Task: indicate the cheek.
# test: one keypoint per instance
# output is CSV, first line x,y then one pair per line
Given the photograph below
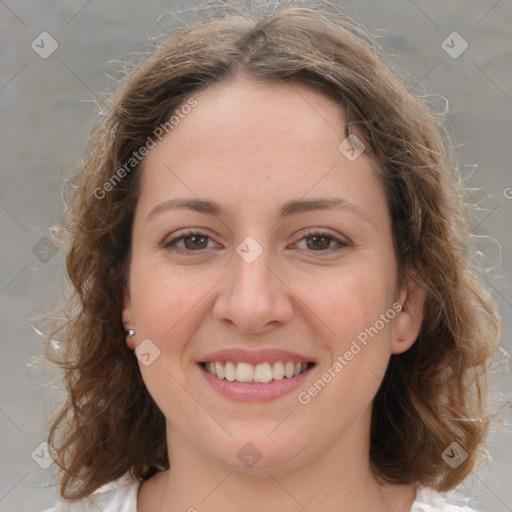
x,y
169,304
350,300
167,299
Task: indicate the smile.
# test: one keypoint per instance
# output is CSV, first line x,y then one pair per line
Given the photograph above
x,y
255,375
261,373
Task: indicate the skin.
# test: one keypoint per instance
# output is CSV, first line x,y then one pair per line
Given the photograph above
x,y
252,147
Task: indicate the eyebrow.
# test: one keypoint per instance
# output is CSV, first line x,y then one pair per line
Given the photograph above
x,y
288,209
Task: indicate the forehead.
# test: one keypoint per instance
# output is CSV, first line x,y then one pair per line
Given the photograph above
x,y
252,112
245,139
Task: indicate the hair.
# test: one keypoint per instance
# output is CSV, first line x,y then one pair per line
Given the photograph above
x,y
432,395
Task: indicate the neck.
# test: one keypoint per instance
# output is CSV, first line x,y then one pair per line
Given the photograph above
x,y
339,480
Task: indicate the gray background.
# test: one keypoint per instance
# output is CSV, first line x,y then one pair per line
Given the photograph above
x,y
47,108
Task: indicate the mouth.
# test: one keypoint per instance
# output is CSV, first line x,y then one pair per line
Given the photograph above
x,y
261,373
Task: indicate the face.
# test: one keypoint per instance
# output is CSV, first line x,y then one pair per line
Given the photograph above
x,y
263,279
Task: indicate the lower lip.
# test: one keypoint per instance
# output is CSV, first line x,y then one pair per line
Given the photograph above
x,y
244,392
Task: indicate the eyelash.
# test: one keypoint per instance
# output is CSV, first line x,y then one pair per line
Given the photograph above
x,y
171,245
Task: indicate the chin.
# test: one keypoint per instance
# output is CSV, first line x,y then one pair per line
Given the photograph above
x,y
257,452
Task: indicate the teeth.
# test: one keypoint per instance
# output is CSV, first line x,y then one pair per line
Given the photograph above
x,y
289,369
219,370
244,372
261,373
230,371
278,370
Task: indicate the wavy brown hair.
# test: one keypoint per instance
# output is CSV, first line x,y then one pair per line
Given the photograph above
x,y
432,395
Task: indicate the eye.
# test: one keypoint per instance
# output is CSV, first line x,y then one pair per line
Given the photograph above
x,y
197,241
321,241
193,241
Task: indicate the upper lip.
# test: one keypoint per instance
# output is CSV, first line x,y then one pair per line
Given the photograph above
x,y
239,355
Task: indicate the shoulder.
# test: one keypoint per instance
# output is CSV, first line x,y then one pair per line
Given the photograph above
x,y
429,500
119,496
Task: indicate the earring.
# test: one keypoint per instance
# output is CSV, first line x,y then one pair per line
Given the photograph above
x,y
130,333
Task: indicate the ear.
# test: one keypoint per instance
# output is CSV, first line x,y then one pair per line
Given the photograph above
x,y
407,323
127,317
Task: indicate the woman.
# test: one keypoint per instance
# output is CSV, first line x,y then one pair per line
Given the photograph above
x,y
273,308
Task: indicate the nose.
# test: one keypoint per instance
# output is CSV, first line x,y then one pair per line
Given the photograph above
x,y
254,298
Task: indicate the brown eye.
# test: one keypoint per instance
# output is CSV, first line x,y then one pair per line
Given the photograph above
x,y
322,242
195,242
188,242
318,242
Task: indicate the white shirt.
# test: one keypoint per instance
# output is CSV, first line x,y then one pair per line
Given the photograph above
x,y
123,498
